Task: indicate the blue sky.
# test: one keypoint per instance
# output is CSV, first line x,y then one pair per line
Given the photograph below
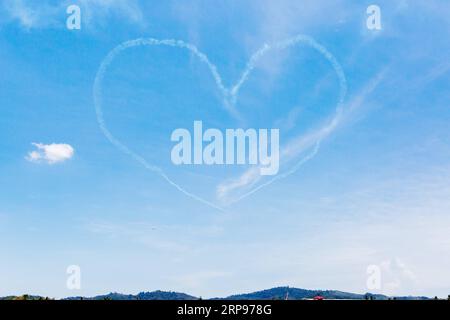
x,y
376,192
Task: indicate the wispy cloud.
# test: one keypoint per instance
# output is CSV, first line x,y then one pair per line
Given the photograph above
x,y
289,122
306,145
43,14
377,225
29,14
280,18
396,275
18,11
97,10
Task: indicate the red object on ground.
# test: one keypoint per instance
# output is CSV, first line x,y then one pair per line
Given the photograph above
x,y
318,298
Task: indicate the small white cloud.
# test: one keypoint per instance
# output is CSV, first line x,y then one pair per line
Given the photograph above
x,y
50,153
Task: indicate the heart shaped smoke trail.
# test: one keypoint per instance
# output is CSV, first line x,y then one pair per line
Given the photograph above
x,y
229,97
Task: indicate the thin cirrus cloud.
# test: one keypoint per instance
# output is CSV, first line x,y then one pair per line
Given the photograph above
x,y
298,146
50,153
30,14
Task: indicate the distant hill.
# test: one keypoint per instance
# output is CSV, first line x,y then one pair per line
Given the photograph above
x,y
299,294
155,295
24,297
279,293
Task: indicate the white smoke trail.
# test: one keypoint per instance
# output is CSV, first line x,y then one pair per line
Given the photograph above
x,y
229,96
99,111
322,132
